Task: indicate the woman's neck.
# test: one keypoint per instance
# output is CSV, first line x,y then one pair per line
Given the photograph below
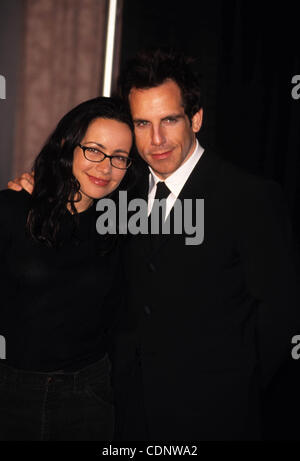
x,y
82,205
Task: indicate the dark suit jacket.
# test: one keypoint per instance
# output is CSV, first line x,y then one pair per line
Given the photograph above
x,y
207,326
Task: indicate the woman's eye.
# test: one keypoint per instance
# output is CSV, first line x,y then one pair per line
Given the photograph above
x,y
121,159
93,151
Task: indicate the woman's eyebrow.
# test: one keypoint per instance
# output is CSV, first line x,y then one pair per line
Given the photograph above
x,y
97,144
120,151
116,151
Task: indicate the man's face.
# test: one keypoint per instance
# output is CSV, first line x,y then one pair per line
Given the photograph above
x,y
164,135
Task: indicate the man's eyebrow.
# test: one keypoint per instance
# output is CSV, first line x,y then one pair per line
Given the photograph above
x,y
116,151
175,116
138,120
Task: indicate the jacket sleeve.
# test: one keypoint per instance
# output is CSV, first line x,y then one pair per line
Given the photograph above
x,y
268,251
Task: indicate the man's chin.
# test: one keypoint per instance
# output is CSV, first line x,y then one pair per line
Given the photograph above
x,y
163,166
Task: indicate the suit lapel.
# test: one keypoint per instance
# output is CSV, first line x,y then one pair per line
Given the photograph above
x,y
199,184
141,242
201,180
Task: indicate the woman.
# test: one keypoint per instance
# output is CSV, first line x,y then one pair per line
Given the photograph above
x,y
60,281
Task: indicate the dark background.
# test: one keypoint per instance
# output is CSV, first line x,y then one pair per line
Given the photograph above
x,y
247,53
10,54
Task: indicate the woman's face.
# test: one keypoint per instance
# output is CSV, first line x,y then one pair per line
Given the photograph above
x,y
99,179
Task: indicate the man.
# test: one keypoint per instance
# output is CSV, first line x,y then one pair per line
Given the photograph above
x,y
206,326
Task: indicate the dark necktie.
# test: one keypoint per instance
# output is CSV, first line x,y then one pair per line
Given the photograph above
x,y
162,192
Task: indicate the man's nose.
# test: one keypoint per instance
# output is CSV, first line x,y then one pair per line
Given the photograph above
x,y
158,136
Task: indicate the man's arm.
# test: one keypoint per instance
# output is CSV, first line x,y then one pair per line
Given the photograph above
x,y
268,250
25,181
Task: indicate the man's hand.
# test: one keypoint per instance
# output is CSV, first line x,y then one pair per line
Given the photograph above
x,y
25,181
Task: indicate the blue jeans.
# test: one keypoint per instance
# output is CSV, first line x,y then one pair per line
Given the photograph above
x,y
57,405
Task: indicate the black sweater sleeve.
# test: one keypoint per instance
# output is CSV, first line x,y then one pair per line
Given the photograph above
x,y
7,200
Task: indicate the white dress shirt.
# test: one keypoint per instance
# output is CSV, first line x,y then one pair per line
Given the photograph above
x,y
175,181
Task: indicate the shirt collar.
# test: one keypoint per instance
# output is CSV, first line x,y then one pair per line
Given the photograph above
x,y
176,180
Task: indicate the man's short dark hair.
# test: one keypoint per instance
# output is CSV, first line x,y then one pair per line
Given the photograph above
x,y
149,69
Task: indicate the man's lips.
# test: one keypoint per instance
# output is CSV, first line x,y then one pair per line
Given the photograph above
x,y
98,181
161,155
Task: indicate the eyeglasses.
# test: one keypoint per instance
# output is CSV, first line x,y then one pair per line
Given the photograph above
x,y
95,155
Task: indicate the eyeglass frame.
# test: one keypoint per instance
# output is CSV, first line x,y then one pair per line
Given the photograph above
x,y
105,156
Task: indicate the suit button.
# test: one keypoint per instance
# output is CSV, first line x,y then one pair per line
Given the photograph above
x,y
152,268
147,309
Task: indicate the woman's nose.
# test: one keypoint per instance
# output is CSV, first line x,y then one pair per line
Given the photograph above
x,y
104,166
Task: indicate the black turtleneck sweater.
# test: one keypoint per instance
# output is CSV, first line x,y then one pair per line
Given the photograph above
x,y
56,305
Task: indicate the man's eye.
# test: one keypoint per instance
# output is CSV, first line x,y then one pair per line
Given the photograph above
x,y
141,124
170,120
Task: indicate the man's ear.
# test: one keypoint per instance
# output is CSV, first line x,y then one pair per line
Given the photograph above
x,y
197,121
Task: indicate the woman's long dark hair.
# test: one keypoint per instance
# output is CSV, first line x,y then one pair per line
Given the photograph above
x,y
55,185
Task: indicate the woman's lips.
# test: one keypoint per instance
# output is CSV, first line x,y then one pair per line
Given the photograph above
x,y
98,181
162,156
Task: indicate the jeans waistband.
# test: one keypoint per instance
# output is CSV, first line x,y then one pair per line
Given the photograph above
x,y
76,379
